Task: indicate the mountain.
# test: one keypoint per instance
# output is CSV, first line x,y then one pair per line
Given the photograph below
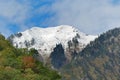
x,y
20,64
50,41
99,60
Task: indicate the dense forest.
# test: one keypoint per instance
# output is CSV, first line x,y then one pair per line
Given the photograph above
x,y
20,64
99,60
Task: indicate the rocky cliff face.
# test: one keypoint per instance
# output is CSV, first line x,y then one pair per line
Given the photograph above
x,y
58,58
57,44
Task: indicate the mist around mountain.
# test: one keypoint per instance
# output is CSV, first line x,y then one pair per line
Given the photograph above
x,y
21,64
99,60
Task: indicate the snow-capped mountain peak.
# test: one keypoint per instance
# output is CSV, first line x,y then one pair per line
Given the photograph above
x,y
45,39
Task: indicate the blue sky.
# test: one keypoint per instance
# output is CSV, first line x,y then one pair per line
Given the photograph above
x,y
89,16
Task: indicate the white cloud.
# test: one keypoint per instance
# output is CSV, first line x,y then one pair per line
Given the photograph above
x,y
13,12
18,12
90,16
11,9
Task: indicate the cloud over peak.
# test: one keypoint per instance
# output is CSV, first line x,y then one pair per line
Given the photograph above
x,y
90,16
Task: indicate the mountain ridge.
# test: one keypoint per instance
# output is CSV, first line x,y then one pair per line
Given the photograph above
x,y
99,60
46,39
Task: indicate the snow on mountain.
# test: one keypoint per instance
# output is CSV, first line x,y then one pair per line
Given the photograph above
x,y
45,39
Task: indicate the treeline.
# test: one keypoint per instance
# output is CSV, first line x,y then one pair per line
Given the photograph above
x,y
99,60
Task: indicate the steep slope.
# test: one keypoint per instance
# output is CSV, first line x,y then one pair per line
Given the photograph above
x,y
100,60
58,56
46,39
